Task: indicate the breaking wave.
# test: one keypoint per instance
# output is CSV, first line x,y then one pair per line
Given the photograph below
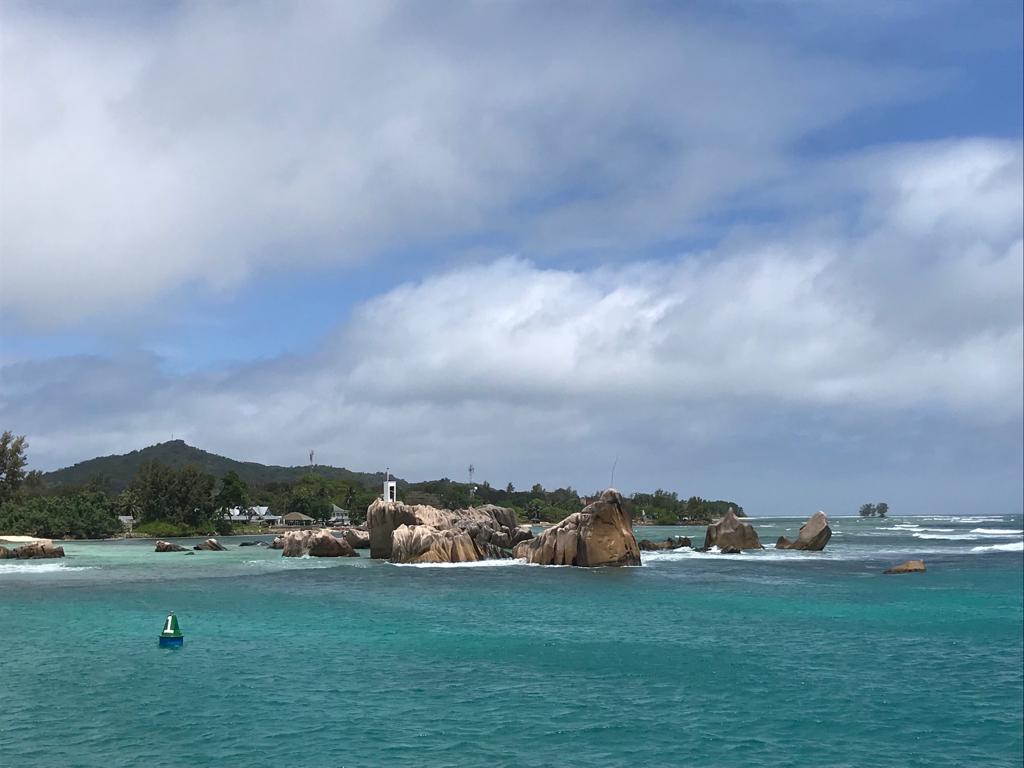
x,y
42,568
478,564
998,531
1014,546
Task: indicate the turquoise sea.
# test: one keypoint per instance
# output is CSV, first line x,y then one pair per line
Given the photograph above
x,y
761,659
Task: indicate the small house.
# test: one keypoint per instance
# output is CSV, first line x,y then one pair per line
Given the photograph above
x,y
297,519
339,516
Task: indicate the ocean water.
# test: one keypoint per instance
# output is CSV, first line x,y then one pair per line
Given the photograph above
x,y
761,659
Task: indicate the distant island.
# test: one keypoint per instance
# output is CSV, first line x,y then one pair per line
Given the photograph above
x,y
174,489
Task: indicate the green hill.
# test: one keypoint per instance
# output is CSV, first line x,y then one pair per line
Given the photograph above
x,y
117,471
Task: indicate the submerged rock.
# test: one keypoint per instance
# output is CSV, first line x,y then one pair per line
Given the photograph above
x,y
674,542
601,534
487,524
251,544
315,543
731,536
210,545
167,546
814,535
911,566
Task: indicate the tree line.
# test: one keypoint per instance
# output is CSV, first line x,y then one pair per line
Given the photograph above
x,y
182,501
881,509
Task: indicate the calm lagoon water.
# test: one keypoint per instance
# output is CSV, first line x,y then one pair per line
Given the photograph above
x,y
762,659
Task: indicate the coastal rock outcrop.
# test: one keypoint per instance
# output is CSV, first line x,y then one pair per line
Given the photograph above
x,y
168,546
36,550
356,538
315,543
210,545
600,534
731,536
813,536
911,566
487,524
277,543
674,542
427,544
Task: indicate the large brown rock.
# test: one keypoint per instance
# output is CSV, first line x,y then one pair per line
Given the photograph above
x,y
211,545
356,538
911,566
167,546
731,535
813,536
384,517
601,534
427,544
315,543
36,550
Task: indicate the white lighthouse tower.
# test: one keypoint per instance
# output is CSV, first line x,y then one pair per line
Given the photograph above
x,y
390,487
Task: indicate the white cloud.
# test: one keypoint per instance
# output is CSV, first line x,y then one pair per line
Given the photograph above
x,y
195,145
763,360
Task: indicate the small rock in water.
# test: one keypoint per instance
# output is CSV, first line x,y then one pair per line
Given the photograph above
x,y
731,536
167,546
814,535
671,543
911,566
211,545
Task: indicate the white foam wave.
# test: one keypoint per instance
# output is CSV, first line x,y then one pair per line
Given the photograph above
x,y
760,555
907,527
1014,546
948,537
478,564
42,567
971,519
998,531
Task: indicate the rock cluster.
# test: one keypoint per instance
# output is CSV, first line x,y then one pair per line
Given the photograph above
x,y
911,566
814,535
600,534
167,546
315,543
36,550
489,528
674,542
731,536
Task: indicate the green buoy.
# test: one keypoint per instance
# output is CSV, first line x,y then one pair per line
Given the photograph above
x,y
171,637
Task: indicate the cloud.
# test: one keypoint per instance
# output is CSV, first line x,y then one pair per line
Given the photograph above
x,y
766,363
194,146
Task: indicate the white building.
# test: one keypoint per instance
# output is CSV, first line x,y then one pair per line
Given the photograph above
x,y
339,516
252,515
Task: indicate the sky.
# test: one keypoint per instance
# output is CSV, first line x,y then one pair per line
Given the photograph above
x,y
769,251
